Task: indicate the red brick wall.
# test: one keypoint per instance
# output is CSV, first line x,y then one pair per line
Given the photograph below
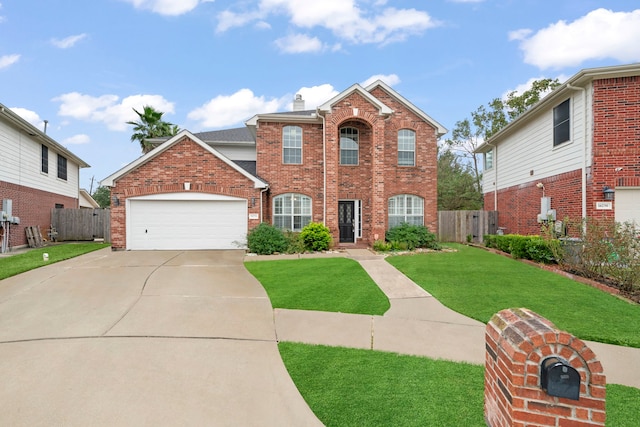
x,y
185,161
517,341
519,206
377,176
33,207
616,137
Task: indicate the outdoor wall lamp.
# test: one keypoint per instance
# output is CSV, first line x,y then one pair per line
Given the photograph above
x,y
609,193
115,200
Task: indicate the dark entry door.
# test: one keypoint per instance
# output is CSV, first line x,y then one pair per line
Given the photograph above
x,y
346,216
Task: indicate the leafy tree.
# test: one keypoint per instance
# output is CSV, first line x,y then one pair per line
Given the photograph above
x,y
486,121
149,126
102,195
457,189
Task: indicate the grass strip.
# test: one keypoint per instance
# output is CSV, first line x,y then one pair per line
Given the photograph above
x,y
16,264
478,284
322,284
351,387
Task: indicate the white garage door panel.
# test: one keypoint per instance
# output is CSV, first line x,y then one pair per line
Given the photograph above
x,y
628,204
186,224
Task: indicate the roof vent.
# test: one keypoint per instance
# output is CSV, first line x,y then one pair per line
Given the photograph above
x,y
298,103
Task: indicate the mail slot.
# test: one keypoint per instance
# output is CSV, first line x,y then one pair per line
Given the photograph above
x,y
559,379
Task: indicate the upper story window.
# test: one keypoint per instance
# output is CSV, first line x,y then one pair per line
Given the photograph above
x,y
45,159
349,146
406,208
561,123
488,160
406,147
292,145
291,211
62,167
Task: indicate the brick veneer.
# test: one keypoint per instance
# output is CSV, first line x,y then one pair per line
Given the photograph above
x,y
517,341
616,136
33,207
374,180
185,161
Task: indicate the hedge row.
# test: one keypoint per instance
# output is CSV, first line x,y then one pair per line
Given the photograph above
x,y
533,248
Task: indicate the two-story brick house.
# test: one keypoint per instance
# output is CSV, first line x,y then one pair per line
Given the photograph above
x,y
575,154
37,174
360,163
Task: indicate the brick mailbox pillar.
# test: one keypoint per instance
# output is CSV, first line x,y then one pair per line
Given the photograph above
x,y
537,375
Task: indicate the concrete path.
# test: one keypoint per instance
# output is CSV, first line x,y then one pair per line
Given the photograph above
x,y
146,339
418,324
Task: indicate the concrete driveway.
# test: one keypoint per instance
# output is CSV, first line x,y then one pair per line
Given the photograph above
x,y
143,338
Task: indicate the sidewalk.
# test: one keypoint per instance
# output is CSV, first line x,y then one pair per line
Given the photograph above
x,y
418,324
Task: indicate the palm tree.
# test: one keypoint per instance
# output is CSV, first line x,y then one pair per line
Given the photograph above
x,y
149,126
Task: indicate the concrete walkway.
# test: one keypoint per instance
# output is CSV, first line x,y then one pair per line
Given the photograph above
x,y
418,324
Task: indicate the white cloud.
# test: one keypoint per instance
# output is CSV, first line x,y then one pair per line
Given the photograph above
x,y
68,42
8,60
299,43
600,34
167,7
227,110
30,116
77,139
315,95
108,109
390,79
344,18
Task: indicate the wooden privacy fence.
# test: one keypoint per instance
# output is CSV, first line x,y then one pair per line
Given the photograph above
x,y
81,224
462,226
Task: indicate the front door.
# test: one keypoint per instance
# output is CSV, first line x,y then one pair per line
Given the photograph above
x,y
346,223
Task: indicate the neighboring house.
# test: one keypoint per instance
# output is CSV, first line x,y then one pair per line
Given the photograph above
x,y
86,201
360,163
575,154
36,175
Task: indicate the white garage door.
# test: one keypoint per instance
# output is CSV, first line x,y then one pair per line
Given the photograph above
x,y
628,204
184,221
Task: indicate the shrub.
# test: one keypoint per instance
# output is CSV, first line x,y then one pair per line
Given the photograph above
x,y
295,245
265,239
533,248
412,236
381,246
316,237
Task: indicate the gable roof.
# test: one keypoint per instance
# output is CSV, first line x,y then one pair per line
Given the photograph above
x,y
379,83
579,80
86,201
356,88
110,180
36,133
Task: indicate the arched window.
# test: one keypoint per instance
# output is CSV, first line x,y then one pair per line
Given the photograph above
x,y
292,145
291,211
406,208
348,146
406,147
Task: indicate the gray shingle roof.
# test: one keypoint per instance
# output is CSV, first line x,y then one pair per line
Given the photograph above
x,y
226,135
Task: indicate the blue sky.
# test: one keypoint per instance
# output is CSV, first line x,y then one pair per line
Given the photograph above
x,y
212,64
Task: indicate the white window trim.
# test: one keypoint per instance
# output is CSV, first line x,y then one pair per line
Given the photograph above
x,y
292,148
404,214
292,215
357,150
407,151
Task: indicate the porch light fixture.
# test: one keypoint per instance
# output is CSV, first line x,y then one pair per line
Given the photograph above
x,y
115,200
609,193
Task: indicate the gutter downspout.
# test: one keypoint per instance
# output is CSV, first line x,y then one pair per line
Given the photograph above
x,y
495,171
584,151
324,170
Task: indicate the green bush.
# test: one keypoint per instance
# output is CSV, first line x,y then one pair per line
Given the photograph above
x,y
265,239
295,245
533,248
412,237
316,237
381,246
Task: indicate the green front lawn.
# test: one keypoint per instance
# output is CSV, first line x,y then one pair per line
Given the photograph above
x,y
478,284
16,264
351,387
322,284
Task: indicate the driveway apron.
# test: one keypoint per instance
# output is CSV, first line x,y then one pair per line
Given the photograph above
x,y
143,338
